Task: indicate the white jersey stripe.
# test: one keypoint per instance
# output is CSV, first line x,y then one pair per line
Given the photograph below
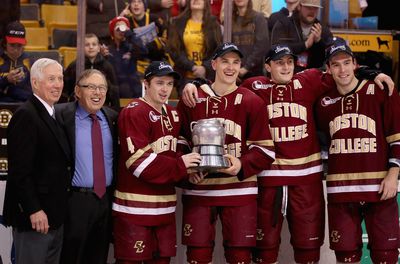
x,y
291,173
143,211
353,188
221,193
144,164
266,151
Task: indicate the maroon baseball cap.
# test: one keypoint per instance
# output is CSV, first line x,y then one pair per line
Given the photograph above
x,y
15,33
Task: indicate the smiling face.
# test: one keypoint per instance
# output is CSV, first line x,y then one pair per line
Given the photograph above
x,y
342,67
91,92
49,84
227,68
158,90
281,69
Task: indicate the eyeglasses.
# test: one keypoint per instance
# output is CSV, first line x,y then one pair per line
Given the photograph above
x,y
92,87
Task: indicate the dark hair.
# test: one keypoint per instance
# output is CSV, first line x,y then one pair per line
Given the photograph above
x,y
248,16
207,27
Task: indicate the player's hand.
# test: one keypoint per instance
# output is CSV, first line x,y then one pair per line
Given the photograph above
x,y
235,167
190,95
191,160
39,222
383,78
197,177
388,187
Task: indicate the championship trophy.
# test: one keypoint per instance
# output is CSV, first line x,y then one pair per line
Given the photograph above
x,y
208,137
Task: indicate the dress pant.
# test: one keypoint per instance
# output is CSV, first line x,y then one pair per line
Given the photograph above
x,y
87,229
36,248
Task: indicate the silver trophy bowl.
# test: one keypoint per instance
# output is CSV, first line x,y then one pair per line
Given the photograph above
x,y
208,137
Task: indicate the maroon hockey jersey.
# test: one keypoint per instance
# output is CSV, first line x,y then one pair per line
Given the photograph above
x,y
148,164
247,137
292,126
364,132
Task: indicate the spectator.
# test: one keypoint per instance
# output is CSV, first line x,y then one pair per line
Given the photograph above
x,y
122,54
99,13
38,170
93,60
150,29
9,11
149,167
284,12
304,34
166,9
362,124
250,34
230,193
15,83
193,37
87,229
262,6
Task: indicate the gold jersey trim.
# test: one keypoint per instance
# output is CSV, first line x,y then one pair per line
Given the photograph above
x,y
298,161
219,181
264,143
392,138
135,156
145,198
356,176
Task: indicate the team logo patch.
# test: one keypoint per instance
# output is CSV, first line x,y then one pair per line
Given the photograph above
x,y
132,105
335,237
258,85
153,117
260,234
139,246
5,117
328,101
187,230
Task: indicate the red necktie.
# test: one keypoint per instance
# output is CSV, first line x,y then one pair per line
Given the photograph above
x,y
99,175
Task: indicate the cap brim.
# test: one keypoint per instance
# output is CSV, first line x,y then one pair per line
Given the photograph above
x,y
279,56
174,74
238,52
13,40
338,51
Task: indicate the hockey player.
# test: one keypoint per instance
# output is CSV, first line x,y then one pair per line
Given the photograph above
x,y
292,187
145,199
231,193
363,125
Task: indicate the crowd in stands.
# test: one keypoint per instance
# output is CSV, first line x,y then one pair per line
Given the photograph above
x,y
124,38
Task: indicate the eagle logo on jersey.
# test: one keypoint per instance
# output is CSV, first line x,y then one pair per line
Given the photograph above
x,y
153,117
335,237
328,101
258,85
187,230
139,246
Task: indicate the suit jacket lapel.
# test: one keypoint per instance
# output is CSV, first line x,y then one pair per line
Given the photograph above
x,y
53,125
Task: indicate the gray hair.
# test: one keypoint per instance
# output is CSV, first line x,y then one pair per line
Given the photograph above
x,y
89,72
39,65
